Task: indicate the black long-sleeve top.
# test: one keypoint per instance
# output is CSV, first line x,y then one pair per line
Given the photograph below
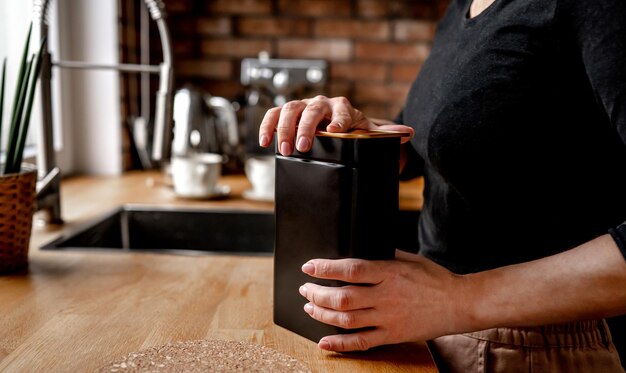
x,y
520,132
520,123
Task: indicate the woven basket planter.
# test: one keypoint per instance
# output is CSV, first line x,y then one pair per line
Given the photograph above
x,y
17,205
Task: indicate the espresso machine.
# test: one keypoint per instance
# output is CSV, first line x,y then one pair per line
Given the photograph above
x,y
272,82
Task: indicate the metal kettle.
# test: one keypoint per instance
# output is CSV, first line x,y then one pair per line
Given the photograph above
x,y
204,124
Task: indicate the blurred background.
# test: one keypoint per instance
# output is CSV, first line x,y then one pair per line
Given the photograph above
x,y
373,50
254,54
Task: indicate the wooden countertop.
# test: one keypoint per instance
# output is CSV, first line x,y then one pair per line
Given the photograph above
x,y
77,311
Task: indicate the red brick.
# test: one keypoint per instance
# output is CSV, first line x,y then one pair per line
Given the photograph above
x,y
214,26
379,111
235,47
181,26
309,92
392,52
222,69
239,6
334,28
183,47
337,89
316,8
334,50
414,30
419,10
128,34
405,73
128,54
358,71
178,6
372,8
273,27
378,92
423,9
228,89
394,108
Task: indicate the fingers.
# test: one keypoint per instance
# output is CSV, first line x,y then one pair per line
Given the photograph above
x,y
316,111
405,255
268,125
341,119
306,115
360,341
342,298
344,319
357,271
400,128
387,125
286,129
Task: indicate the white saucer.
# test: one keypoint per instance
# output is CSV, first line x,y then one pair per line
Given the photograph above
x,y
220,191
255,196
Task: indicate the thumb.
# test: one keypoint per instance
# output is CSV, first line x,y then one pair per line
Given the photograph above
x,y
398,128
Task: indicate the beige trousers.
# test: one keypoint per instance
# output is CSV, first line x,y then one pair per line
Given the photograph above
x,y
575,347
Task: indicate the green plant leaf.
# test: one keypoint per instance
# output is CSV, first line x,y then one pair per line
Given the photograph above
x,y
4,74
17,120
23,132
18,87
18,102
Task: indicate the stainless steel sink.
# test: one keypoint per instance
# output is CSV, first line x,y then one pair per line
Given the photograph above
x,y
176,231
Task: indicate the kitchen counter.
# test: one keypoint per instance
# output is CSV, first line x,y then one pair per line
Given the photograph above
x,y
77,311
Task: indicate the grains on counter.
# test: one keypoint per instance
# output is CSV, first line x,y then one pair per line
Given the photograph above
x,y
207,356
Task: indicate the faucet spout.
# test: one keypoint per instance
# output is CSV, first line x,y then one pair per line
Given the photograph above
x,y
49,196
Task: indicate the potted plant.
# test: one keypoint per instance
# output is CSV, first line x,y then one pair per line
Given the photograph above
x,y
18,180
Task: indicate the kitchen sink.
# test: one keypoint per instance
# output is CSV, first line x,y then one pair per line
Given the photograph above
x,y
131,228
188,231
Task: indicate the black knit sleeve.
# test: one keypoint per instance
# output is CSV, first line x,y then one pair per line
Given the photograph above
x,y
599,27
414,166
619,235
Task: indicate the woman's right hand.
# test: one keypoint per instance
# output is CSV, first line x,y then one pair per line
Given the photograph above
x,y
304,116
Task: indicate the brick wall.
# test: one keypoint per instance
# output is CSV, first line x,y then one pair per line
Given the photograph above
x,y
374,47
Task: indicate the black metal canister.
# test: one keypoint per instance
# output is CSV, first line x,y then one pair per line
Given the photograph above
x,y
339,200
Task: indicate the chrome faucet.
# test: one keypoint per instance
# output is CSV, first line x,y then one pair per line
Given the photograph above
x,y
48,186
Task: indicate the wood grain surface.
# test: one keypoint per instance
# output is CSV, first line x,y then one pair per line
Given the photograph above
x,y
78,311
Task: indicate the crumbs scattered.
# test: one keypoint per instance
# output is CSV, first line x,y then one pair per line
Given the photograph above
x,y
207,356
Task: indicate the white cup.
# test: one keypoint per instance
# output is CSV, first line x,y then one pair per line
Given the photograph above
x,y
196,176
260,172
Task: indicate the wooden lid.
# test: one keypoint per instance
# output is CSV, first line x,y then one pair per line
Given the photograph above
x,y
362,134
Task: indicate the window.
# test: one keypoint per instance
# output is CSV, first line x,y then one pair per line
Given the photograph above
x,y
85,104
15,17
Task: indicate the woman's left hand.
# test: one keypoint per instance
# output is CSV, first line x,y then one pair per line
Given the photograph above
x,y
407,299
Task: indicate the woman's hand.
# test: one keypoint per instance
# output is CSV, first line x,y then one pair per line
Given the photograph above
x,y
412,298
304,116
409,299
